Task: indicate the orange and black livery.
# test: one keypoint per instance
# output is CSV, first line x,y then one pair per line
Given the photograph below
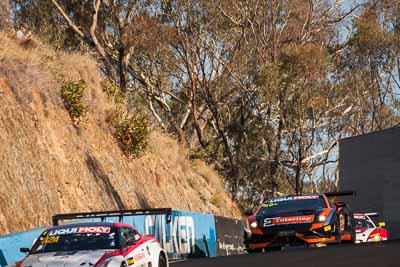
x,y
299,219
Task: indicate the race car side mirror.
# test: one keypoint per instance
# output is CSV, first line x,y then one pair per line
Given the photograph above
x,y
248,212
381,224
24,250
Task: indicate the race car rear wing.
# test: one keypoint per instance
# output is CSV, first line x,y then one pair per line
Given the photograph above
x,y
372,214
340,193
116,213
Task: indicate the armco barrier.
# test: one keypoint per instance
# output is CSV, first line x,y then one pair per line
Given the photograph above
x,y
188,235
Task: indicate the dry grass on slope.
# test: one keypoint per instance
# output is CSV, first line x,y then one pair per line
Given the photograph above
x,y
48,166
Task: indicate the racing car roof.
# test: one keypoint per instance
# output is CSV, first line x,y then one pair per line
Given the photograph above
x,y
294,197
313,195
90,224
327,194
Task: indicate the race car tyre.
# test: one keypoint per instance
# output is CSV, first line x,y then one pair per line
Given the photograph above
x,y
337,232
162,261
123,264
254,250
353,236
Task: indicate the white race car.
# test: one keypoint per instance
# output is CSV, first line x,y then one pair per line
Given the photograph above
x,y
94,245
366,229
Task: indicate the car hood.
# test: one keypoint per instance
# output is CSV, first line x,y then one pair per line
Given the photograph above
x,y
64,259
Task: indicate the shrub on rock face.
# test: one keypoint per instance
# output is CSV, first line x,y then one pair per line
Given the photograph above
x,y
113,91
72,94
132,132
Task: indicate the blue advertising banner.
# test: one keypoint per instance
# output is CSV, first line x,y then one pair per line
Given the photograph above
x,y
10,245
191,235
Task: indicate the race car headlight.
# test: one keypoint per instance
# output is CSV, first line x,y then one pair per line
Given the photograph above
x,y
321,218
376,238
253,225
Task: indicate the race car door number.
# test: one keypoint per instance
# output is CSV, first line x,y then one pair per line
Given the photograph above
x,y
267,222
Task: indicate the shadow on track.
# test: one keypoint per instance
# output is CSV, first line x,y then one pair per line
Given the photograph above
x,y
385,254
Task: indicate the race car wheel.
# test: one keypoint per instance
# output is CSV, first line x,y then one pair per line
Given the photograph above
x,y
337,232
123,264
162,261
353,236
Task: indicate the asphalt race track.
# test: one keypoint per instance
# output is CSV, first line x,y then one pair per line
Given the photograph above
x,y
383,254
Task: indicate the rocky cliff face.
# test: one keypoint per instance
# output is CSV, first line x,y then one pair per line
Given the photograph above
x,y
5,16
48,165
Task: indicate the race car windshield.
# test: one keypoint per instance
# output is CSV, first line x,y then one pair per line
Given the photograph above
x,y
74,239
305,205
362,223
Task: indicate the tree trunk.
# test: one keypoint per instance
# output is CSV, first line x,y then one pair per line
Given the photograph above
x,y
5,16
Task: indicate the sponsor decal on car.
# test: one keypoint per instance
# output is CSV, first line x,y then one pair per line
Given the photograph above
x,y
138,257
288,220
130,261
305,197
293,219
342,222
80,230
281,199
270,205
359,216
50,239
97,229
268,222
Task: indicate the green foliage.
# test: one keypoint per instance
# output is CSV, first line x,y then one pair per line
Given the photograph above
x,y
262,100
113,91
41,16
212,151
132,132
214,200
303,60
72,94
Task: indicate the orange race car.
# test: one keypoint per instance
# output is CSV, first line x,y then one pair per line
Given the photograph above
x,y
299,219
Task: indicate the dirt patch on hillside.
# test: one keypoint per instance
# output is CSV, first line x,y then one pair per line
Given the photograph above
x,y
48,165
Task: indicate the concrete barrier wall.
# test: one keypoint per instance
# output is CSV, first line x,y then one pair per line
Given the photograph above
x,y
188,235
230,236
369,164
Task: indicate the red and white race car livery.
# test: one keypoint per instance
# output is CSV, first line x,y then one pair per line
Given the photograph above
x,y
96,245
366,229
